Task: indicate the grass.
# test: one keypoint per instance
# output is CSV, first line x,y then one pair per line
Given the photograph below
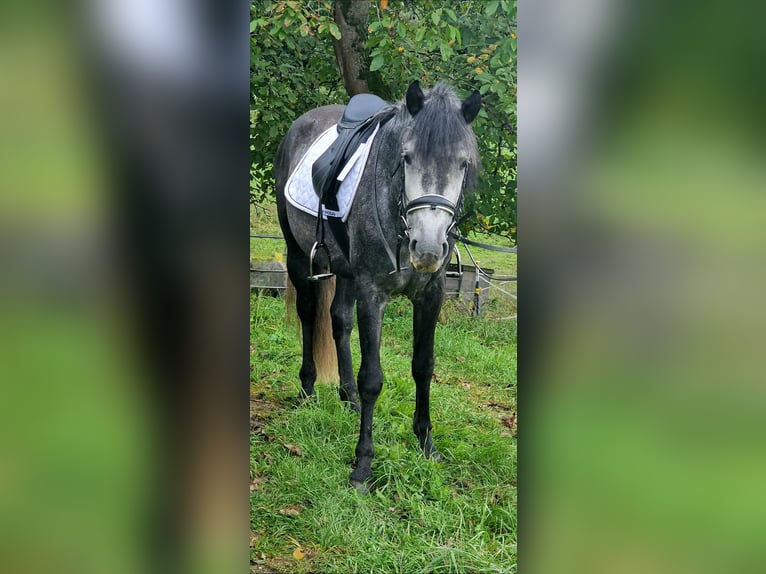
x,y
420,516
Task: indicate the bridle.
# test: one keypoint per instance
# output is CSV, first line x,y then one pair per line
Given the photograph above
x,y
426,201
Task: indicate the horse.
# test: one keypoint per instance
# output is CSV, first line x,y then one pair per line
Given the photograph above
x,y
422,162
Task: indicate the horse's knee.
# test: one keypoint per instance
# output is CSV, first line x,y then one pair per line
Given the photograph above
x,y
341,326
370,383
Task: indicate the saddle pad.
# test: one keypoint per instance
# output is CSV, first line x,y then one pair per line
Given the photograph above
x,y
299,189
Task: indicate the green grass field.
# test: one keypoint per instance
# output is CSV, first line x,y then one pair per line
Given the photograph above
x,y
458,515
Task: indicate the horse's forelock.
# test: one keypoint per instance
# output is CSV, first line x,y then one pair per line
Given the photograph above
x,y
440,126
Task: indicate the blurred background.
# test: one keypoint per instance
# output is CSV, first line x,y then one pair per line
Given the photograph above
x,y
123,286
641,180
124,179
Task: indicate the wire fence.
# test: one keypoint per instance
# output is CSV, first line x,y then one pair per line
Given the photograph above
x,y
276,280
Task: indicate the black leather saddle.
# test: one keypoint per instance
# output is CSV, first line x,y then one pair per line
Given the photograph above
x,y
354,128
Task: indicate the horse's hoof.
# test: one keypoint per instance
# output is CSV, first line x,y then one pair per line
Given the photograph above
x,y
360,481
361,486
351,400
354,406
435,456
304,397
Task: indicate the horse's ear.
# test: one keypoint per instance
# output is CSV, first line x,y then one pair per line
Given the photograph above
x,y
471,106
414,98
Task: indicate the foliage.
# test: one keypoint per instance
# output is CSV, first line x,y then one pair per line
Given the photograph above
x,y
471,45
292,69
472,48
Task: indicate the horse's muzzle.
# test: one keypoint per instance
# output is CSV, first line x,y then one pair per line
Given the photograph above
x,y
427,257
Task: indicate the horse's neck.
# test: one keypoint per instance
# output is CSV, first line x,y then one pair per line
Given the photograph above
x,y
388,160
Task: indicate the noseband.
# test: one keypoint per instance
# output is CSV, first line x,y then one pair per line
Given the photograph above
x,y
431,201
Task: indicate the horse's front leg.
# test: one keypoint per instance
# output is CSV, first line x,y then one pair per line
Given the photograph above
x,y
370,307
424,316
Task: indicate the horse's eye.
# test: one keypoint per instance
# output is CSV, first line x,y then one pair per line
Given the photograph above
x,y
464,164
406,158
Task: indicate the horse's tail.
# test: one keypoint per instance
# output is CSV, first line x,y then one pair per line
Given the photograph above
x,y
325,356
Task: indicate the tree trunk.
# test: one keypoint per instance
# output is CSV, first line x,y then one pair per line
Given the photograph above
x,y
350,50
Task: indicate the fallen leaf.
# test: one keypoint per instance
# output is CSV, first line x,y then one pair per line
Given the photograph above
x,y
298,554
296,450
498,406
292,510
256,482
460,359
510,421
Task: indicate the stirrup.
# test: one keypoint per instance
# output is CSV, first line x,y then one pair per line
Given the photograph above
x,y
459,273
318,276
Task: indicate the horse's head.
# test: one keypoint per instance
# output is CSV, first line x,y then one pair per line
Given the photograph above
x,y
440,158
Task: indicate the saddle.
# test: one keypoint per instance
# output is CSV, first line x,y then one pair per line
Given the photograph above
x,y
354,128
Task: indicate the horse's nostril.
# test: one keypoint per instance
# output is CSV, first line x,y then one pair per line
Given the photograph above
x,y
445,249
413,243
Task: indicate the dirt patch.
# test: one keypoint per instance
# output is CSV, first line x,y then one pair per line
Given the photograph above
x,y
260,412
262,569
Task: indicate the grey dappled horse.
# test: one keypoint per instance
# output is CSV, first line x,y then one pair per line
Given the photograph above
x,y
422,161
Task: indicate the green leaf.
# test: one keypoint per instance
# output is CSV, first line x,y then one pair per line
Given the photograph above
x,y
253,25
446,51
436,17
334,30
491,8
451,13
419,34
377,63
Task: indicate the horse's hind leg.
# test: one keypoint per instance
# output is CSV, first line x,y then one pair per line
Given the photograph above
x,y
342,312
424,317
305,303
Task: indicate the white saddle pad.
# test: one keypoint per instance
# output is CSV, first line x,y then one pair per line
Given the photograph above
x,y
300,189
